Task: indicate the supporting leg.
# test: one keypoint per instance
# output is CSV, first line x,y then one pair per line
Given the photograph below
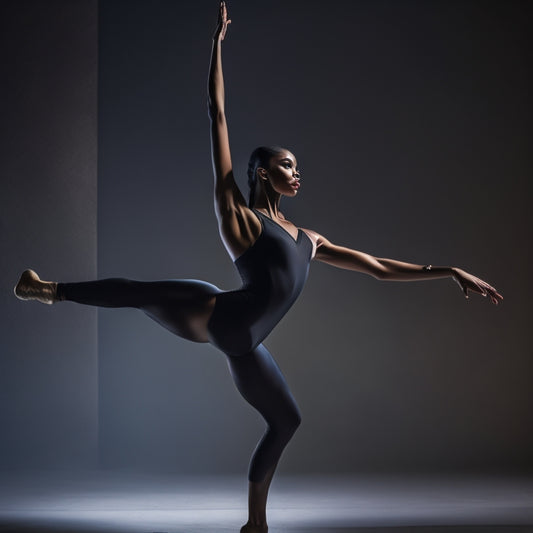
x,y
257,500
260,381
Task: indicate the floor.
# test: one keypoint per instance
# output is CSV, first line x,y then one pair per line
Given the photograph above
x,y
111,502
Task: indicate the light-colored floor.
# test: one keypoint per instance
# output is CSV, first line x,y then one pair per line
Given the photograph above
x,y
108,502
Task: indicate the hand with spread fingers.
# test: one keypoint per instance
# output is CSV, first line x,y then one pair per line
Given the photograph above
x,y
468,282
222,24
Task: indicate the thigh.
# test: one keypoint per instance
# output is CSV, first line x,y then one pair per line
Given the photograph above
x,y
183,307
262,384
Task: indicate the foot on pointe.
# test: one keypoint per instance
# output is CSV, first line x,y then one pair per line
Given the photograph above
x,y
249,528
31,287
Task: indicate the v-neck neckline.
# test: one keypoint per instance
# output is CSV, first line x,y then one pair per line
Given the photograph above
x,y
282,228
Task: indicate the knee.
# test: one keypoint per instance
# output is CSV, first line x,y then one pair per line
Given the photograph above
x,y
296,420
291,421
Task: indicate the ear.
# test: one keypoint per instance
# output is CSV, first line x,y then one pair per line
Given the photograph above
x,y
262,173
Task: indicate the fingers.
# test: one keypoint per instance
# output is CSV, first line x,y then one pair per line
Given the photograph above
x,y
481,288
489,290
485,290
223,11
495,296
222,23
471,283
494,293
223,20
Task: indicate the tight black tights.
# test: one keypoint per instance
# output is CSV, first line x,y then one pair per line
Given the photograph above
x,y
184,308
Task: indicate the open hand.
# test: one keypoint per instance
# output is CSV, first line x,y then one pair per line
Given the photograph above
x,y
222,24
467,282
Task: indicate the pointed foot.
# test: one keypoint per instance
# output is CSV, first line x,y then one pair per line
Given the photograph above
x,y
31,287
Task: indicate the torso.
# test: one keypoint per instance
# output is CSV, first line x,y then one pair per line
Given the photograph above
x,y
288,226
293,230
241,229
273,270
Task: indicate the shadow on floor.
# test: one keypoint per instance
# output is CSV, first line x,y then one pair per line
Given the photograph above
x,y
414,529
22,527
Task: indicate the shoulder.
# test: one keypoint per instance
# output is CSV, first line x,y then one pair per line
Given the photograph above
x,y
322,247
316,239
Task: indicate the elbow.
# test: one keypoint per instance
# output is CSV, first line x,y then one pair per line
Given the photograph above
x,y
381,274
215,111
211,106
211,109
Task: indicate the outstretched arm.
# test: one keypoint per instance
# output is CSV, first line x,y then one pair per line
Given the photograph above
x,y
392,270
227,193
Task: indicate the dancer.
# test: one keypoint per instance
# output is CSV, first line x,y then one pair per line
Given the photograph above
x,y
272,256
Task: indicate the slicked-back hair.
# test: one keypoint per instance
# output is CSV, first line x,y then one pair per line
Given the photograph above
x,y
260,158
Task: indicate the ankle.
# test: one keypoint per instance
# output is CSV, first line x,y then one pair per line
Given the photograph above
x,y
57,291
253,526
50,291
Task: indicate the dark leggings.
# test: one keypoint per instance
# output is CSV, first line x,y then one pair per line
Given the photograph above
x,y
177,305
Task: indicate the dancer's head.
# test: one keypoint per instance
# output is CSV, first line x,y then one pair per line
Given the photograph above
x,y
273,168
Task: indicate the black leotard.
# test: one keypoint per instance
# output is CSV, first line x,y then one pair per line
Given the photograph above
x,y
273,271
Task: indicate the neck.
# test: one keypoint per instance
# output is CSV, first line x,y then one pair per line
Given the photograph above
x,y
269,203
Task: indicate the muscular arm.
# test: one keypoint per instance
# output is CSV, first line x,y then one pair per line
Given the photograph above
x,y
392,270
227,193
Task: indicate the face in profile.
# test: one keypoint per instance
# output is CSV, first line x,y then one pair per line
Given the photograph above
x,y
283,174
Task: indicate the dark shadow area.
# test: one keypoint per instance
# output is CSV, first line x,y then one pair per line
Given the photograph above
x,y
417,529
22,526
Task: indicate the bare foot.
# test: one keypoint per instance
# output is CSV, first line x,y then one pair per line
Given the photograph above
x,y
250,528
31,287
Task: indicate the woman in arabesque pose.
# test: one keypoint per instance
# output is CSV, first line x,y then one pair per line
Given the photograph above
x,y
272,256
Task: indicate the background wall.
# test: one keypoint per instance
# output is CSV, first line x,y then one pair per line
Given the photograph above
x,y
48,368
409,123
408,120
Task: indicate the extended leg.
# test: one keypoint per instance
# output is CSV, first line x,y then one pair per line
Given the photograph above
x,y
181,306
260,381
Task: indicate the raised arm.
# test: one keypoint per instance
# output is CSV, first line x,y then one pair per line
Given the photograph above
x,y
392,270
227,193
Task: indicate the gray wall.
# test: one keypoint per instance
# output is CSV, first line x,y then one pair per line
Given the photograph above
x,y
409,120
48,376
